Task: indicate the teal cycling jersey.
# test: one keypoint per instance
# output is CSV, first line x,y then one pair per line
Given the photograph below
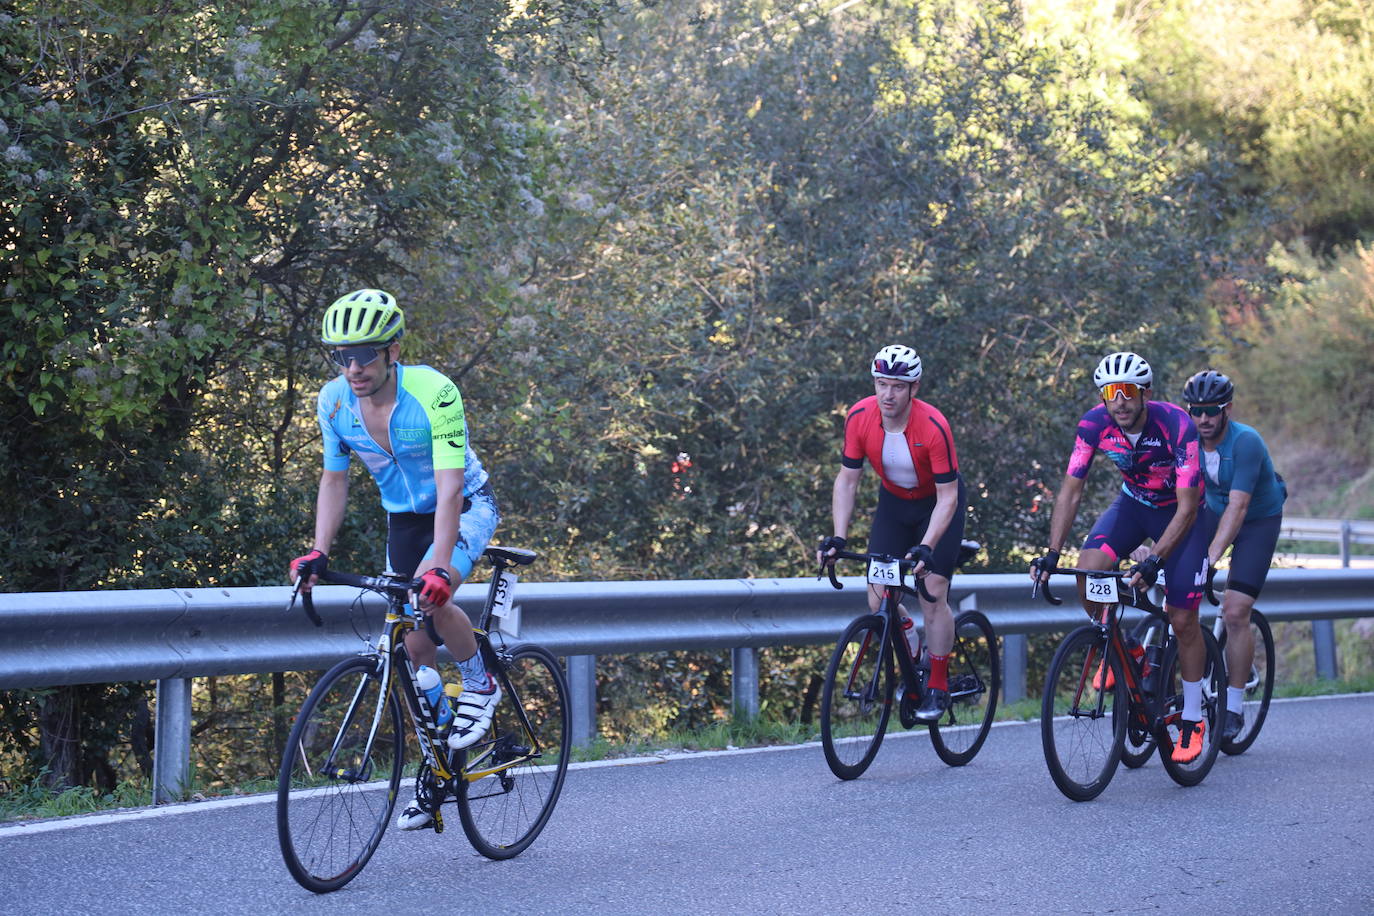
x,y
428,430
1244,465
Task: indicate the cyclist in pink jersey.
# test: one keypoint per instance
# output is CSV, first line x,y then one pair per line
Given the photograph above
x,y
1155,447
921,501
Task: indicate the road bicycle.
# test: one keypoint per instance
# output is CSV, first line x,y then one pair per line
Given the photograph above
x,y
1259,682
873,658
344,760
1102,704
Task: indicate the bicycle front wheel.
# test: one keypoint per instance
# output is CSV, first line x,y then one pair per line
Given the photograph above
x,y
1259,684
975,681
339,775
856,699
1083,714
510,782
1213,697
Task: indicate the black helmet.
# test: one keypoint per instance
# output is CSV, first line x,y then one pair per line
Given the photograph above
x,y
1208,387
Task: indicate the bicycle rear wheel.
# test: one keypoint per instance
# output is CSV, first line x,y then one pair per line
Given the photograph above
x,y
1082,721
511,780
856,699
1259,684
975,681
339,775
1213,695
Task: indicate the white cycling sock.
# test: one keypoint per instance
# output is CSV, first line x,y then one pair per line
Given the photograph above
x,y
1192,700
1235,698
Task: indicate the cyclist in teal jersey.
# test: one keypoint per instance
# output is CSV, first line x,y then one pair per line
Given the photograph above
x,y
1244,511
408,427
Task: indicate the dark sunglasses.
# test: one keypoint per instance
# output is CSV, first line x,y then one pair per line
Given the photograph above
x,y
363,356
890,368
1207,410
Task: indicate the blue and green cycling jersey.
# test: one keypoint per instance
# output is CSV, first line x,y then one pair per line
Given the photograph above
x,y
1244,464
428,429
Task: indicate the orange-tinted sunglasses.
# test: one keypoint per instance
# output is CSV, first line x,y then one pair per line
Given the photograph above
x,y
1112,390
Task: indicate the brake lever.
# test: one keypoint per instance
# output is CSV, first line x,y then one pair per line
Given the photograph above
x,y
307,602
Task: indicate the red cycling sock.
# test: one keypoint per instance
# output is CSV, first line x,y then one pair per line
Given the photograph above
x,y
939,672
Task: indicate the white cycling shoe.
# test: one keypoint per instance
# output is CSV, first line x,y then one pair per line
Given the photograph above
x,y
472,715
413,817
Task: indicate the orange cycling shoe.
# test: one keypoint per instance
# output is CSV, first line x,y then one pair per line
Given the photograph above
x,y
1189,744
1097,678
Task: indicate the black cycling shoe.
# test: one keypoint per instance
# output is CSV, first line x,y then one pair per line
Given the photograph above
x,y
933,705
1231,727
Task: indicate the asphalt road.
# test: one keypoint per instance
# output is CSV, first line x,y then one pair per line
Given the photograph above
x,y
1286,828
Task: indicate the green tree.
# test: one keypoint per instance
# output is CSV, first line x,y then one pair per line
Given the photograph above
x,y
183,184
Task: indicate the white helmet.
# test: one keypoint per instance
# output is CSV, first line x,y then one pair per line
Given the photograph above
x,y
1123,367
897,362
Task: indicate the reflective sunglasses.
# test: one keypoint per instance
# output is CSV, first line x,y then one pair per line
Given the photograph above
x,y
885,367
363,356
1113,390
1207,410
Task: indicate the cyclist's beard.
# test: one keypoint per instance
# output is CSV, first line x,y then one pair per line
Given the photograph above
x,y
382,382
1218,431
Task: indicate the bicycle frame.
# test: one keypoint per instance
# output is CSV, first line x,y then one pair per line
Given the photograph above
x,y
483,759
1144,708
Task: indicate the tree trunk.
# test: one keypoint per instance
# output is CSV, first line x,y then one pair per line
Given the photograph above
x,y
59,727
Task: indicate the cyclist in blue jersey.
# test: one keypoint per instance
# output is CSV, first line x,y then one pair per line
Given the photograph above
x,y
1155,446
1243,511
408,427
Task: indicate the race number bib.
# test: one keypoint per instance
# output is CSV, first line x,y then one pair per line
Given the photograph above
x,y
881,573
505,593
1102,589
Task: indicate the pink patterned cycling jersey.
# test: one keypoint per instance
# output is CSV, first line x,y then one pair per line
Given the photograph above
x,y
1163,459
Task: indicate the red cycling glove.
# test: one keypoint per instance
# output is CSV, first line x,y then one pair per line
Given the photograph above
x,y
313,563
437,586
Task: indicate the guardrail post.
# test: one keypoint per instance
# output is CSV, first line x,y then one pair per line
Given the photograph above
x,y
1014,667
745,682
582,698
1324,648
172,740
1345,542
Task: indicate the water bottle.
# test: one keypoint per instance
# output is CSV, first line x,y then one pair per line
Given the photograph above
x,y
913,638
433,689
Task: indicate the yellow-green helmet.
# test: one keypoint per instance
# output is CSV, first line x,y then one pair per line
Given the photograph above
x,y
368,316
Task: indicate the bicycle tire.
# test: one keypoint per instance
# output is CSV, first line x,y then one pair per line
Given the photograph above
x,y
855,711
1080,728
503,811
331,810
1139,745
975,682
1171,687
1259,684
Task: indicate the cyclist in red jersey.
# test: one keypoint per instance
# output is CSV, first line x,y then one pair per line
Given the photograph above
x,y
921,501
1155,446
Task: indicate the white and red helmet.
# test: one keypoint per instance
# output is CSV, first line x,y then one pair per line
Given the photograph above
x,y
897,362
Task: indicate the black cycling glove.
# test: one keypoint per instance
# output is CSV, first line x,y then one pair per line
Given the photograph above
x,y
921,554
1047,564
1147,570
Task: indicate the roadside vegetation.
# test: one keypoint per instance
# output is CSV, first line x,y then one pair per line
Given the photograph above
x,y
654,244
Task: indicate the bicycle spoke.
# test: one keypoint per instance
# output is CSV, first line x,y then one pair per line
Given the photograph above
x,y
1081,730
856,699
974,685
330,815
512,781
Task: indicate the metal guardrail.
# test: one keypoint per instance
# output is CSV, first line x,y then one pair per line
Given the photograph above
x,y
173,635
1342,531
